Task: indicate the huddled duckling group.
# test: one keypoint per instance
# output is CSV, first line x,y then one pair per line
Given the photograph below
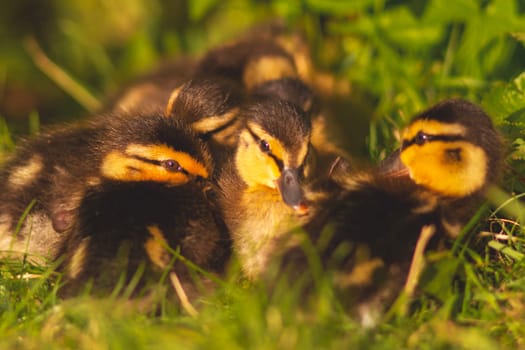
x,y
200,162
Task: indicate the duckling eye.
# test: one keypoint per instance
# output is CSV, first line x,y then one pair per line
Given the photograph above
x,y
171,165
264,146
421,138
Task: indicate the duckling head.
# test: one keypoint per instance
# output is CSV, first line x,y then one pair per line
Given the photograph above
x,y
155,148
250,61
273,148
452,149
290,89
208,105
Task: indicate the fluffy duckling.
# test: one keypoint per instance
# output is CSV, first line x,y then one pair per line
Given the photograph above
x,y
371,220
210,106
48,175
262,68
54,171
262,166
154,204
261,188
249,61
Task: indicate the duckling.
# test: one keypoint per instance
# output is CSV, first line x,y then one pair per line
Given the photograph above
x,y
48,175
450,153
261,173
453,151
210,106
249,61
261,188
261,67
57,168
155,203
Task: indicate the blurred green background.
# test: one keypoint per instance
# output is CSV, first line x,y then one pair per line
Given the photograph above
x,y
399,56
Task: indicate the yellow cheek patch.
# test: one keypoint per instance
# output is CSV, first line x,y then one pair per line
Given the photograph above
x,y
454,169
124,167
276,147
163,152
255,167
432,127
267,68
155,247
118,166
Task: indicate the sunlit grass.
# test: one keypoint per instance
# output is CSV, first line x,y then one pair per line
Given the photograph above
x,y
401,58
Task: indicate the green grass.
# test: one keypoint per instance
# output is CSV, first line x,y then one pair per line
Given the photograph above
x,y
399,56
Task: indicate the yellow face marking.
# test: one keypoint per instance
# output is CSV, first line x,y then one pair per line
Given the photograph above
x,y
275,146
23,175
255,167
76,265
155,247
171,101
432,127
454,169
259,168
124,166
267,68
119,166
163,152
209,124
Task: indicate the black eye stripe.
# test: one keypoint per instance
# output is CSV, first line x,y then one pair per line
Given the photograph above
x,y
422,138
265,147
168,164
277,161
171,165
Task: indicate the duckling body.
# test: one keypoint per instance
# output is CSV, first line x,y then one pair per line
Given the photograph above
x,y
122,226
210,106
261,150
264,66
450,154
373,218
249,61
52,170
115,181
261,188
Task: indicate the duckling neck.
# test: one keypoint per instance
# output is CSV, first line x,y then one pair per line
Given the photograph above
x,y
257,222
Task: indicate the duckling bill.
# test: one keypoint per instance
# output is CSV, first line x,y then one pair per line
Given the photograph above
x,y
449,155
262,187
